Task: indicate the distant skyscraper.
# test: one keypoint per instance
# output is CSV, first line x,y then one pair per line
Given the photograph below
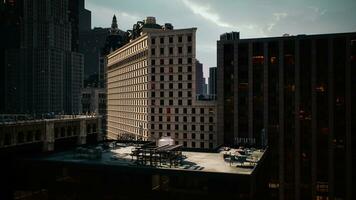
x,y
212,81
199,77
299,92
205,87
84,17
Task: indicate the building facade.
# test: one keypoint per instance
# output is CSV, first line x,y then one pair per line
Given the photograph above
x,y
199,78
297,91
48,58
152,90
18,133
212,81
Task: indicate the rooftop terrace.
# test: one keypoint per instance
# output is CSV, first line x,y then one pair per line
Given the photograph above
x,y
232,161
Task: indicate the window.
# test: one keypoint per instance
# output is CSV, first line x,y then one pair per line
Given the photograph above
x,y
189,68
161,78
153,94
152,127
161,51
171,102
201,127
176,118
171,86
161,69
160,127
171,62
180,50
193,144
176,110
189,49
153,118
180,39
190,95
153,52
185,127
184,136
202,119
201,110
180,85
170,93
160,110
168,110
161,86
171,70
185,144
189,77
38,135
193,119
161,102
189,102
161,40
193,110
161,61
189,85
185,110
160,118
180,77
171,39
210,136
153,41
189,38
185,119
153,102
153,62
153,78
152,110
180,102
153,70
20,137
211,128
161,94
193,129
180,69
170,77
170,51
189,60
175,135
201,144
180,60
211,119
180,93
176,127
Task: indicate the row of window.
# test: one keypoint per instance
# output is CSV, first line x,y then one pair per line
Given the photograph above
x,y
133,58
179,50
171,39
170,102
22,137
172,61
171,69
194,136
171,86
183,127
130,68
183,110
180,77
179,119
179,93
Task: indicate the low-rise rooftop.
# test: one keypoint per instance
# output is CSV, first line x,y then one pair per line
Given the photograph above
x,y
224,161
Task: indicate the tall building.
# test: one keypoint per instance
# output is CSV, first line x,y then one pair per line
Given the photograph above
x,y
44,73
152,90
199,77
205,87
212,81
297,91
84,17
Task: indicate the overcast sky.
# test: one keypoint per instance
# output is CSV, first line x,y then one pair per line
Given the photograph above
x,y
252,18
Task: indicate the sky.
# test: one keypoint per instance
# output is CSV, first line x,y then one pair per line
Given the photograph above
x,y
252,18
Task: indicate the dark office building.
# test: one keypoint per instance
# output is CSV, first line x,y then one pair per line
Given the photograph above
x,y
297,92
199,77
212,81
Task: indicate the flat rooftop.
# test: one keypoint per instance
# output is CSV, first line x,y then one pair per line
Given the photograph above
x,y
192,161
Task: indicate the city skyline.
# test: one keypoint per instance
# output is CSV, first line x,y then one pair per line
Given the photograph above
x,y
214,17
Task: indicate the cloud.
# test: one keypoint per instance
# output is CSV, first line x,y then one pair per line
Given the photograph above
x,y
207,13
276,18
